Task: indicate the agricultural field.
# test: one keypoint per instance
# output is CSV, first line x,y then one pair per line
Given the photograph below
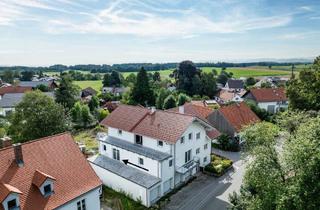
x,y
95,84
252,71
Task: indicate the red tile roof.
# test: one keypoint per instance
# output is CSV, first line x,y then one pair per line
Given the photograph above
x,y
269,94
239,115
165,125
39,178
14,89
58,156
194,110
5,190
200,112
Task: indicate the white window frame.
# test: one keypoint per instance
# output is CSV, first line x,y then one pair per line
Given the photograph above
x,y
205,146
198,135
81,205
140,161
182,140
190,134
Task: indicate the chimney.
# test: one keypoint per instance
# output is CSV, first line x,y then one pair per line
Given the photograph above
x,y
152,110
18,154
5,142
181,109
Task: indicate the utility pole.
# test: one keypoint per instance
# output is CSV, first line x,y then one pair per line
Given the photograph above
x,y
292,69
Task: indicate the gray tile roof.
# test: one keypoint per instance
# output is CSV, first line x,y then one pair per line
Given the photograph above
x,y
235,83
141,150
34,83
134,175
9,100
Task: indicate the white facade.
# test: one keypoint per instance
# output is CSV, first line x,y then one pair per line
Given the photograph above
x,y
5,111
183,160
91,200
273,107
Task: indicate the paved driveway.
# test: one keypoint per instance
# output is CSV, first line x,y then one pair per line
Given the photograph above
x,y
210,193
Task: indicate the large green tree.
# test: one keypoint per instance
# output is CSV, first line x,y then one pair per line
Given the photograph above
x,y
304,92
208,84
169,102
187,77
115,79
67,93
36,116
161,96
281,176
141,91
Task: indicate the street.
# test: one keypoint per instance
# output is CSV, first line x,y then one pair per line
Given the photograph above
x,y
210,193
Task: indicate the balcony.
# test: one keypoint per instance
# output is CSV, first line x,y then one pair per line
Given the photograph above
x,y
188,166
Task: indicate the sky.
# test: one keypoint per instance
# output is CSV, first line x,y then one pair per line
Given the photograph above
x,y
46,32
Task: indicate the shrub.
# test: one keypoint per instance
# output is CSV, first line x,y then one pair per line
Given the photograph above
x,y
225,142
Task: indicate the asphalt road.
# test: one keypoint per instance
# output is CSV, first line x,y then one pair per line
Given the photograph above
x,y
210,193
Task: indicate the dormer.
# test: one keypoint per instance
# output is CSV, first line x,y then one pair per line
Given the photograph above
x,y
9,197
44,182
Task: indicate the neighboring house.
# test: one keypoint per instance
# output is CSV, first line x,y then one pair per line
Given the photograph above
x,y
232,118
47,173
33,84
201,112
10,100
13,89
269,99
234,85
147,153
171,87
89,91
226,95
114,90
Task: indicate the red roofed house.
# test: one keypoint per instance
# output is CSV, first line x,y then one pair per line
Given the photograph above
x,y
201,112
48,173
232,118
270,99
147,153
13,89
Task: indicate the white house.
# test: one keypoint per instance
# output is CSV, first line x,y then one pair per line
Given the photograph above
x,y
114,90
269,99
48,173
147,153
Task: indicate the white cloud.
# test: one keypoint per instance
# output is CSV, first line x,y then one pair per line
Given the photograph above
x,y
306,8
122,18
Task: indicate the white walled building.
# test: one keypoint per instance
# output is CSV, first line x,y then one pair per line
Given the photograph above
x,y
48,173
269,99
146,153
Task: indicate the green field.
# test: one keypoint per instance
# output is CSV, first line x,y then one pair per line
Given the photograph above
x,y
254,71
95,84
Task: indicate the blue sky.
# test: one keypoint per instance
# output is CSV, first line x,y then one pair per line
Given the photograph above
x,y
45,32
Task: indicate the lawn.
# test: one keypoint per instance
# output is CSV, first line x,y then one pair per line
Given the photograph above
x,y
88,137
116,200
95,84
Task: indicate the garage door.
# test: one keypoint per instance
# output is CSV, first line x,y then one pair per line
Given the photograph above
x,y
154,193
167,185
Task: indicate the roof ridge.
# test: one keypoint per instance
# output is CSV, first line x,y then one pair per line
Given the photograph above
x,y
39,139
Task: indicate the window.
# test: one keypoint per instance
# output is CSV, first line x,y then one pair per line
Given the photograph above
x,y
81,205
198,136
187,156
205,159
205,146
140,161
170,163
104,148
47,189
160,143
190,136
12,203
116,154
182,139
120,132
198,151
138,139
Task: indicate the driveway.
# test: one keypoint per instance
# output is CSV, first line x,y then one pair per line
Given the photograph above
x,y
210,193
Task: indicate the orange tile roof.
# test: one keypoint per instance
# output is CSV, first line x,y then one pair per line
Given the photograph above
x,y
5,190
14,89
239,115
200,112
39,178
269,94
56,155
164,125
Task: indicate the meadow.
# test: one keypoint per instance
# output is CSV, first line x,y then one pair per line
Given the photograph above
x,y
252,71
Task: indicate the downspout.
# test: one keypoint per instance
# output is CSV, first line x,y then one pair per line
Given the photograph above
x,y
174,165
